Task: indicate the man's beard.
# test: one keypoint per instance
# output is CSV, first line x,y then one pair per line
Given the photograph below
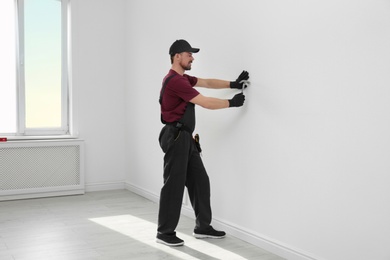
x,y
187,67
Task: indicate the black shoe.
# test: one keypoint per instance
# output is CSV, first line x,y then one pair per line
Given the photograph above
x,y
209,233
169,240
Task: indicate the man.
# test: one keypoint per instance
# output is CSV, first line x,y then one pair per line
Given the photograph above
x,y
183,165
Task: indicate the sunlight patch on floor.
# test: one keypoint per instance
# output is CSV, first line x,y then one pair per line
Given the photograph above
x,y
145,231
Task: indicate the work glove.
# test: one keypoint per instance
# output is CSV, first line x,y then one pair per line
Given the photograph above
x,y
237,100
244,76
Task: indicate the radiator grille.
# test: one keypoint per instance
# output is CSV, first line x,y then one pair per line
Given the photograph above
x,y
39,168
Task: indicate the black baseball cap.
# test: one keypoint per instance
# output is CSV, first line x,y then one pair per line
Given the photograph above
x,y
180,46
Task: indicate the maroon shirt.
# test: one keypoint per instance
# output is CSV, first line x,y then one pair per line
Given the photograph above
x,y
177,93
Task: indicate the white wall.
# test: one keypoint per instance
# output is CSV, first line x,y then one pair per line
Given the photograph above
x,y
305,164
98,83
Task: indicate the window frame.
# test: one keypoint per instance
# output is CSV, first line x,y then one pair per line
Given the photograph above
x,y
21,129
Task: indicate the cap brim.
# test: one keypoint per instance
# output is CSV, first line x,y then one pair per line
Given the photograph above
x,y
192,50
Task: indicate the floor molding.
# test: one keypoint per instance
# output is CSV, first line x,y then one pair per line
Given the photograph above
x,y
264,242
259,240
102,186
142,192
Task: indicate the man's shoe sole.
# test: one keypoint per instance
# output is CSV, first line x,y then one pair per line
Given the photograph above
x,y
201,236
169,244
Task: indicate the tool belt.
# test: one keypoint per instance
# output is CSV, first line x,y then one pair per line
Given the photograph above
x,y
180,126
183,127
197,143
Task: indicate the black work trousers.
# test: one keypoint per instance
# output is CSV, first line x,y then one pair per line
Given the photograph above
x,y
183,166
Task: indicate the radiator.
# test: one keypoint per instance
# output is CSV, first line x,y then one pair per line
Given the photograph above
x,y
31,169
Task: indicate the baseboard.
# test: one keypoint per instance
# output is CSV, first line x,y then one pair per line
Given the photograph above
x,y
101,186
259,240
263,242
142,192
37,195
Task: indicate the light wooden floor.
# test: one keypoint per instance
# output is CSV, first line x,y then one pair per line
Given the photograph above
x,y
106,225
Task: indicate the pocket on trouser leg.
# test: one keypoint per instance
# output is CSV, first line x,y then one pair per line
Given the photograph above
x,y
168,136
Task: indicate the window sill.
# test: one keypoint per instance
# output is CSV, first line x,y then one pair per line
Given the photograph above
x,y
39,138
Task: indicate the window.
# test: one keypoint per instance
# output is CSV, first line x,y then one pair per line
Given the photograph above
x,y
34,70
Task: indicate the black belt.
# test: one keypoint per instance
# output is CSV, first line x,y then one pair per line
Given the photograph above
x,y
180,126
